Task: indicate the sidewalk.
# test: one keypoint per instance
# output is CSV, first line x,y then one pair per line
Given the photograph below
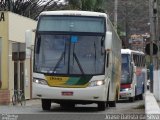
x,y
158,103
151,105
33,102
30,102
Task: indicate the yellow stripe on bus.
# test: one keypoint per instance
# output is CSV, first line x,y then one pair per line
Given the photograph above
x,y
54,80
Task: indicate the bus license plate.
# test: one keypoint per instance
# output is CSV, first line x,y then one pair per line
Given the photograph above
x,y
67,93
123,94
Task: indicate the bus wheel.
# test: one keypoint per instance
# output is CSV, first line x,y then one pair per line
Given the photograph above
x,y
101,106
112,103
46,104
131,99
141,96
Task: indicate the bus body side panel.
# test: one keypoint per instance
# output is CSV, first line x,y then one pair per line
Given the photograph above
x,y
115,64
141,73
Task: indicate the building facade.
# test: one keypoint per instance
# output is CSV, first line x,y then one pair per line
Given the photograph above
x,y
137,42
15,68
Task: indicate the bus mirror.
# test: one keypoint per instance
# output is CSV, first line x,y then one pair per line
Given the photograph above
x,y
108,41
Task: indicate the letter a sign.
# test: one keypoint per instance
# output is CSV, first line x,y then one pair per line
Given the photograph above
x,y
2,16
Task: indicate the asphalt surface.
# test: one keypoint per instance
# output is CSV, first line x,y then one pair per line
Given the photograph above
x,y
33,111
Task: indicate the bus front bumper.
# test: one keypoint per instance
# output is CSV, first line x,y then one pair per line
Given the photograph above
x,y
96,93
126,94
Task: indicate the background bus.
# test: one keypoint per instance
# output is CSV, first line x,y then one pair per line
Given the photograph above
x,y
77,59
133,75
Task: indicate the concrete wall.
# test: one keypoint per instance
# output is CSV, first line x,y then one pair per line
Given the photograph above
x,y
12,29
4,56
18,25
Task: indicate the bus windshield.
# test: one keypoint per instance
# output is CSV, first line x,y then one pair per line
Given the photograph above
x,y
125,75
69,54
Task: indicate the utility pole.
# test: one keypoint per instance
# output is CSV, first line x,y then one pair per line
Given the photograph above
x,y
115,13
152,37
126,25
153,15
156,85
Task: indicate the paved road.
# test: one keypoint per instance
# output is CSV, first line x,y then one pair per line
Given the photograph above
x,y
33,110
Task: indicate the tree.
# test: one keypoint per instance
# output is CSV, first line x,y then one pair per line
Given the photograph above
x,y
87,5
133,16
29,8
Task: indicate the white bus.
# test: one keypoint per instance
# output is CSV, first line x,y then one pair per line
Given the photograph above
x,y
134,74
77,59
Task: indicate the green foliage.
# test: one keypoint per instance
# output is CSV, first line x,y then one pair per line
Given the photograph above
x,y
87,5
29,8
74,4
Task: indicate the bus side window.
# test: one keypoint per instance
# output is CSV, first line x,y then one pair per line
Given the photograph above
x,y
135,60
144,61
138,60
107,64
141,61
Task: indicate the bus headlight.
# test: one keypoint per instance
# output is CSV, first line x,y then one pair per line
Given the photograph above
x,y
96,83
127,89
40,81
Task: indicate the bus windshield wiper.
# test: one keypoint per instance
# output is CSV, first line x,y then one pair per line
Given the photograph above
x,y
79,65
59,61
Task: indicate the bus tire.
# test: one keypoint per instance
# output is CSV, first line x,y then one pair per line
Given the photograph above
x,y
46,104
136,97
101,106
140,97
131,99
112,103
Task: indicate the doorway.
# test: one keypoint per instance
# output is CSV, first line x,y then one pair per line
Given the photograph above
x,y
18,56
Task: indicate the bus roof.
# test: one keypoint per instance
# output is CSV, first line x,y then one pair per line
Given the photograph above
x,y
129,51
74,13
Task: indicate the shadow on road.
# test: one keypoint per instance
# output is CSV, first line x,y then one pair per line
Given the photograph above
x,y
92,108
76,109
123,101
127,101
